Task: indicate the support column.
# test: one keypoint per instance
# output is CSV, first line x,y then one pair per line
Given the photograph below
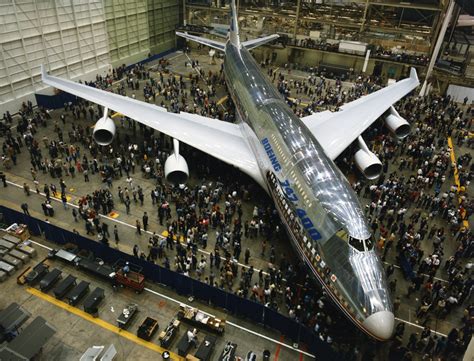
x,y
298,7
364,18
185,20
439,42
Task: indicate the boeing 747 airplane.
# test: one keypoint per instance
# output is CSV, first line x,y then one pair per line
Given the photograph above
x,y
293,160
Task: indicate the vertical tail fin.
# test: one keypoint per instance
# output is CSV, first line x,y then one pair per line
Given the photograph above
x,y
234,25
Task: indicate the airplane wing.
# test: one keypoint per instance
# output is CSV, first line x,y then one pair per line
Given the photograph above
x,y
211,43
220,139
252,44
335,131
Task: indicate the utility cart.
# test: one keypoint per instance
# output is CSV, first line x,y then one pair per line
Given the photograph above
x,y
129,275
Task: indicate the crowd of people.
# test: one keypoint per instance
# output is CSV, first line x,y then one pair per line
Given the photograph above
x,y
415,208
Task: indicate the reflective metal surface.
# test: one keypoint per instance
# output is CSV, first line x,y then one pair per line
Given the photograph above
x,y
315,200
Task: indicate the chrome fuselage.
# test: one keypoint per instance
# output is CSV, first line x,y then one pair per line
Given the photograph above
x,y
316,203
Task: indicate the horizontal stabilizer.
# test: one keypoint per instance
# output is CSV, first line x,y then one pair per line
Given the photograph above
x,y
208,42
252,44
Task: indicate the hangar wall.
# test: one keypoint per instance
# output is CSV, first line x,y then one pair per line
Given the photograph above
x,y
163,17
69,37
76,39
140,27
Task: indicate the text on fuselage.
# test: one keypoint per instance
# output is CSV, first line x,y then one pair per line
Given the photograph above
x,y
271,155
301,213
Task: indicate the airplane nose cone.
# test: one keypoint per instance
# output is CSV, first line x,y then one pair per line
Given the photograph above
x,y
380,324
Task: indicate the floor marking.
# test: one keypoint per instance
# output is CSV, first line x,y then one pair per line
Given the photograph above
x,y
117,115
41,245
68,198
456,177
222,100
294,100
277,352
101,323
164,234
424,274
418,326
113,214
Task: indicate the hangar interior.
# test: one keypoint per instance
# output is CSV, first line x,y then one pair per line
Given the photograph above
x,y
333,43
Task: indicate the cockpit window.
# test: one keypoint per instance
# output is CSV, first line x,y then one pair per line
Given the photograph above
x,y
358,244
361,245
369,243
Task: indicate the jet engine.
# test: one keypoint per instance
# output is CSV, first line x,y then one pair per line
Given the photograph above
x,y
104,130
396,124
176,168
367,161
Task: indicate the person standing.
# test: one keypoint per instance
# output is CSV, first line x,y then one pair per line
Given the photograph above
x,y
89,229
116,235
3,178
46,192
136,250
145,221
137,223
130,182
45,210
105,229
74,214
64,200
247,256
127,205
24,207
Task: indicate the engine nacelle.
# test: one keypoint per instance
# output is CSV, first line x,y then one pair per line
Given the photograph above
x,y
367,162
104,130
396,124
176,168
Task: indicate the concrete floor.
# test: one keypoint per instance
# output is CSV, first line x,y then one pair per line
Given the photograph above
x,y
126,224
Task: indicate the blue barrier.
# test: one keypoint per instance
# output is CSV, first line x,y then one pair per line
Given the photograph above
x,y
151,58
182,284
54,101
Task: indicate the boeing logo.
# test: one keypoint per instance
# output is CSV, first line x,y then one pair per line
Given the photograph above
x,y
268,148
302,215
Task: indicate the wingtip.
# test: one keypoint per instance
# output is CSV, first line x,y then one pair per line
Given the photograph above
x,y
413,74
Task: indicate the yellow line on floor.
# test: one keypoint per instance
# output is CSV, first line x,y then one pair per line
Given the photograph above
x,y
294,101
101,323
456,175
222,100
116,115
